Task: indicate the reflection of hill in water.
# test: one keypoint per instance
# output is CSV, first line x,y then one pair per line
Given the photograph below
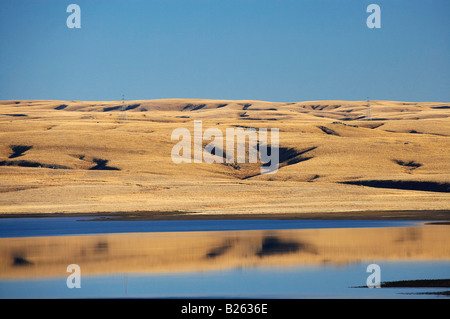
x,y
197,251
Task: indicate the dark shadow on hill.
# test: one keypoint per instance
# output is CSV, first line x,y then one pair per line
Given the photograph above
x,y
18,150
409,166
374,126
441,107
61,107
101,165
15,115
406,185
193,107
112,108
345,124
286,156
357,118
312,179
290,156
132,106
217,151
23,163
328,131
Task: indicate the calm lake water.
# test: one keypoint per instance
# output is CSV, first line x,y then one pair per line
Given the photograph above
x,y
57,226
218,259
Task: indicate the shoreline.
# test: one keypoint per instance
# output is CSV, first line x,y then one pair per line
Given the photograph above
x,y
426,215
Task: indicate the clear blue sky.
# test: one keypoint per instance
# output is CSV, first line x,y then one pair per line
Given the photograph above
x,y
275,50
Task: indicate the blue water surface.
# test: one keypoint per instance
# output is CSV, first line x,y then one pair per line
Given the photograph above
x,y
297,282
62,226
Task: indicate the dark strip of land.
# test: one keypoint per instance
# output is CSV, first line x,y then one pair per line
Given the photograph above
x,y
408,185
421,283
428,215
